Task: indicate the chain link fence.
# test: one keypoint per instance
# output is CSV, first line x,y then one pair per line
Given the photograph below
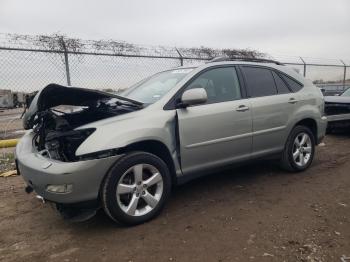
x,y
27,68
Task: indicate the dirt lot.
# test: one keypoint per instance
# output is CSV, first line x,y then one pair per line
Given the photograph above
x,y
252,213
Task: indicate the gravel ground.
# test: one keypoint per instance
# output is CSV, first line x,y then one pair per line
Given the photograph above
x,y
252,213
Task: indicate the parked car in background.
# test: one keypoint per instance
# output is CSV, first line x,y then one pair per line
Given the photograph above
x,y
337,109
333,89
125,152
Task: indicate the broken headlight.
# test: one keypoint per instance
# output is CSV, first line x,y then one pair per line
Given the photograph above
x,y
63,145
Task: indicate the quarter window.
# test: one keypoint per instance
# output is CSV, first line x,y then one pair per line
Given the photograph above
x,y
221,84
260,81
294,85
282,88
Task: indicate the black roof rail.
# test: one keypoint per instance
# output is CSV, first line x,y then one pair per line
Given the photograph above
x,y
245,59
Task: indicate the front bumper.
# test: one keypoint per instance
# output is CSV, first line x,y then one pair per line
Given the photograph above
x,y
39,172
337,118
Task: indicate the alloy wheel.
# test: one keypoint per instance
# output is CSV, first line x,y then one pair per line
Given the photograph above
x,y
139,189
302,149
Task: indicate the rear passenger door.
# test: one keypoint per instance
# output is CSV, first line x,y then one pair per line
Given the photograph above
x,y
272,104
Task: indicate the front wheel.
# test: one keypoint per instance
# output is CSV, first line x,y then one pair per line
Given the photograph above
x,y
299,150
136,188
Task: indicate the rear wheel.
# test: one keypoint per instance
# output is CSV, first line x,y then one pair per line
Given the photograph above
x,y
136,188
299,150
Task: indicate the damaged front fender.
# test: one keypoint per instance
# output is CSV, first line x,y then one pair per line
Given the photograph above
x,y
143,126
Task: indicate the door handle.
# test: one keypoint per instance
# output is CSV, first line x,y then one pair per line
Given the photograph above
x,y
292,101
242,108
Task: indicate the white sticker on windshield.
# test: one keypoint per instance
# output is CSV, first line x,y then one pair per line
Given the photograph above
x,y
182,71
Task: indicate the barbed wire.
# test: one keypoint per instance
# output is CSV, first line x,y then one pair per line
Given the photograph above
x,y
60,43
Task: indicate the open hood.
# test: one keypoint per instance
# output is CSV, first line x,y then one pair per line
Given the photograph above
x,y
55,120
54,95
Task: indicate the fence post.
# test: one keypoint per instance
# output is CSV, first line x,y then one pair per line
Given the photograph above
x,y
66,62
344,77
304,66
180,56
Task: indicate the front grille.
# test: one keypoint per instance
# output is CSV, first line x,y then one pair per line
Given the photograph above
x,y
337,109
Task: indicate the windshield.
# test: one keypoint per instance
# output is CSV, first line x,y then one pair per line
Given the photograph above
x,y
346,93
155,87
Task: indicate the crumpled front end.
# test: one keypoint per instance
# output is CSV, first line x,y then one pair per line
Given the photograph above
x,y
46,155
58,181
57,113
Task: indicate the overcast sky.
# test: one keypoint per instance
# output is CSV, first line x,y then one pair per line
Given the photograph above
x,y
313,28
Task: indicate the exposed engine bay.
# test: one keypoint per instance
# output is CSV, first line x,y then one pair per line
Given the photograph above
x,y
56,112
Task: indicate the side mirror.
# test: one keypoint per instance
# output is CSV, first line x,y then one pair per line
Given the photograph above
x,y
193,96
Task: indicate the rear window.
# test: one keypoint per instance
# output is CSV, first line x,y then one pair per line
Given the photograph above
x,y
260,81
293,85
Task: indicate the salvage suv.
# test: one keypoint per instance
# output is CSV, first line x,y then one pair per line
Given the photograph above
x,y
86,149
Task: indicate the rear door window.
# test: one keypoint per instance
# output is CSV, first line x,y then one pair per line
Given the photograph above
x,y
260,81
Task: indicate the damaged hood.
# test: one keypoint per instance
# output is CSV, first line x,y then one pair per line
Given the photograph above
x,y
54,95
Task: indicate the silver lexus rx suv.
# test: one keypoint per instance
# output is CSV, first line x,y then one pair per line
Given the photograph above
x,y
86,149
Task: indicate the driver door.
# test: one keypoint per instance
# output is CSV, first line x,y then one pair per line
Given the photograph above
x,y
218,132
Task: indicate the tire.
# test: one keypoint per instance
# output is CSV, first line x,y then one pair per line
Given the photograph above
x,y
128,195
288,161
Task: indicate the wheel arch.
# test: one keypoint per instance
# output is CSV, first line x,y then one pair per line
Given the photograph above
x,y
157,148
154,147
311,124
